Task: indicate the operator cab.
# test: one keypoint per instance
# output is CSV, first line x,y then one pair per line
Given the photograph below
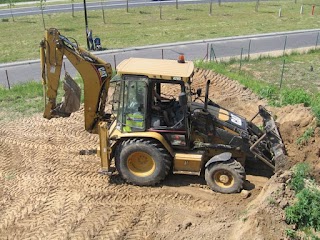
x,y
142,104
146,101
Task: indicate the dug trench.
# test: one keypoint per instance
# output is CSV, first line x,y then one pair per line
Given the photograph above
x,y
49,191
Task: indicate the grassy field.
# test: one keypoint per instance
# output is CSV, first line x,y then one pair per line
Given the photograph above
x,y
296,71
141,26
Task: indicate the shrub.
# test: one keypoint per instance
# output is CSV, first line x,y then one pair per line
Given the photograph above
x,y
300,172
306,211
295,96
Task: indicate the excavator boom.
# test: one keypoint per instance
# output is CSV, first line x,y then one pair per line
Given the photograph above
x,y
95,72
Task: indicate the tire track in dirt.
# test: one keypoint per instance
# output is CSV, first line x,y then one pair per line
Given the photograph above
x,y
55,193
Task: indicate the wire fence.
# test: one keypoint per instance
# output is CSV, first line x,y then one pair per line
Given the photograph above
x,y
281,71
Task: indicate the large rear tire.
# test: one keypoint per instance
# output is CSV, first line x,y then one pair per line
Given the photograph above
x,y
225,177
143,162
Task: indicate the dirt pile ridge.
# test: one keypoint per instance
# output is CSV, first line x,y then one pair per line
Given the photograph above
x,y
49,191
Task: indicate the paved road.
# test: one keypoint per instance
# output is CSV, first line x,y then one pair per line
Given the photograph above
x,y
222,47
22,11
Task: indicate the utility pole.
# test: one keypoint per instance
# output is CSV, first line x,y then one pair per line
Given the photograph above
x,y
86,22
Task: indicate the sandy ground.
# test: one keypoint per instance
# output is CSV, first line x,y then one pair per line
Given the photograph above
x,y
49,191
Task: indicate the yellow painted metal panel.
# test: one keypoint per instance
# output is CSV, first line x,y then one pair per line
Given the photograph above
x,y
223,115
187,162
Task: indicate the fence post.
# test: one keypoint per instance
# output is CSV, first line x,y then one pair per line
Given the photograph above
x,y
115,62
249,48
207,55
240,59
284,61
212,52
161,53
317,40
284,46
8,79
312,12
280,13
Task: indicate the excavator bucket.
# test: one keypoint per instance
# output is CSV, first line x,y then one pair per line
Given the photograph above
x,y
71,99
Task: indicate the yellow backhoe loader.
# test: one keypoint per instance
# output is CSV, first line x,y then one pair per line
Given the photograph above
x,y
157,123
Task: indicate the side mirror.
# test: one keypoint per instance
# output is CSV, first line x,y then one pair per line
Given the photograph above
x,y
199,91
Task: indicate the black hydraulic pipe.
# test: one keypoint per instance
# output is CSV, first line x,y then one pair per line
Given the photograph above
x,y
206,96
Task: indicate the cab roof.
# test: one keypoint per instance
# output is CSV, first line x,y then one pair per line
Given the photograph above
x,y
157,68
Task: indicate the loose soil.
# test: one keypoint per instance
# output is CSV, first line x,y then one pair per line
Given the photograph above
x,y
49,191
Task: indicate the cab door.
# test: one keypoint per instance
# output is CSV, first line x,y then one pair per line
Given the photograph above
x,y
131,108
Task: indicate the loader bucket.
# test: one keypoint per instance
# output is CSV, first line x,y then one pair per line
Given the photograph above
x,y
71,99
273,139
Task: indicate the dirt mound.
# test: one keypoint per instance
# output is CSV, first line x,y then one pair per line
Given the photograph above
x,y
49,191
294,122
264,216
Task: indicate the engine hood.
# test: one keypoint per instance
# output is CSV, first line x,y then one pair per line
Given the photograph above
x,y
222,115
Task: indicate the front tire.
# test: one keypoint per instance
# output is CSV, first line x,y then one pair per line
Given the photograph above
x,y
225,177
143,162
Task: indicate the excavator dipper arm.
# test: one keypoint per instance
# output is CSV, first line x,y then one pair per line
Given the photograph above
x,y
95,72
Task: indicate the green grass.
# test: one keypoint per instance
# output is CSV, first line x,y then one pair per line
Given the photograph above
x,y
142,26
20,100
300,70
306,136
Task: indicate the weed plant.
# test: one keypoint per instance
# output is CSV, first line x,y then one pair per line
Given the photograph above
x,y
303,140
305,212
300,173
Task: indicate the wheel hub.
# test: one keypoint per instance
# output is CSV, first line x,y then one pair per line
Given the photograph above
x,y
141,164
223,179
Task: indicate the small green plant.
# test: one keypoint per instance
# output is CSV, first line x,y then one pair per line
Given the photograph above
x,y
271,201
306,136
300,172
305,213
292,234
